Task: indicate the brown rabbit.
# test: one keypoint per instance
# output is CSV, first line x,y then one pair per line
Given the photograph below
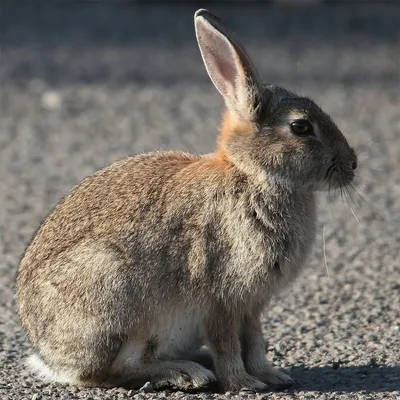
x,y
157,255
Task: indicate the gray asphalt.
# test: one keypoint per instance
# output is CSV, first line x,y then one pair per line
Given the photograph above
x,y
83,85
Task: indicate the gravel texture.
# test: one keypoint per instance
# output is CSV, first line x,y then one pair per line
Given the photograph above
x,y
85,84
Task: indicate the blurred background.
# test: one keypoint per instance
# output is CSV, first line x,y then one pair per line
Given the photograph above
x,y
83,84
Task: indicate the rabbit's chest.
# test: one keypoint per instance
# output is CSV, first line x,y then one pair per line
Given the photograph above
x,y
272,247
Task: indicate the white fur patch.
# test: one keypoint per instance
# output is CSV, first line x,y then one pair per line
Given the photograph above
x,y
44,373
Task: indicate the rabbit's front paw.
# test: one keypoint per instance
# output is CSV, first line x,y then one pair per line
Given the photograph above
x,y
185,375
274,377
242,382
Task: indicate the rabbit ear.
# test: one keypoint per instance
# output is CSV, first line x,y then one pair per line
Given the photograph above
x,y
227,64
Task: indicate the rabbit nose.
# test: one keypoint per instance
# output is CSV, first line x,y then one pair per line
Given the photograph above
x,y
354,164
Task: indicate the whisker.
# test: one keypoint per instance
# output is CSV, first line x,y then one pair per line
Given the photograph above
x,y
331,195
375,169
363,174
370,141
351,197
363,157
355,216
336,192
360,187
352,211
342,190
329,198
347,195
366,202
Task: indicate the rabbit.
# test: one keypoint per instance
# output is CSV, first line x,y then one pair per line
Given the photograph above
x,y
165,256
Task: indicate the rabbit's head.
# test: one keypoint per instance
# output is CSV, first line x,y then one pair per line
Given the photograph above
x,y
267,130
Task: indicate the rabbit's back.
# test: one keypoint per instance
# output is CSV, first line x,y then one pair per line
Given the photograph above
x,y
98,220
105,201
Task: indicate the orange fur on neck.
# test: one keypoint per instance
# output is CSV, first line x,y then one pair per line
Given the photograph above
x,y
230,125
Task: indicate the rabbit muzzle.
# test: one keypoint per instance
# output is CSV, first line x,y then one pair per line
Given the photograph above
x,y
341,171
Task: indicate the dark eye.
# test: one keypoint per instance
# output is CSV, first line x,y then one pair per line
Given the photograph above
x,y
302,127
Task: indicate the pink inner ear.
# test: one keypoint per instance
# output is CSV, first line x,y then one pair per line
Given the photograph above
x,y
227,65
223,65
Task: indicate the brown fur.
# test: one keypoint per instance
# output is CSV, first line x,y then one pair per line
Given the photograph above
x,y
231,125
156,255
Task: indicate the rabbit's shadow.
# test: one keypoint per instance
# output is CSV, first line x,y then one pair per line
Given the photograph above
x,y
368,378
352,379
378,378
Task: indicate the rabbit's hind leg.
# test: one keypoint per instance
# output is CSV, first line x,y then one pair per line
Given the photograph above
x,y
75,361
136,364
132,367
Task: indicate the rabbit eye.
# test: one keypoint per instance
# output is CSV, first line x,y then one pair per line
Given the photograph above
x,y
302,127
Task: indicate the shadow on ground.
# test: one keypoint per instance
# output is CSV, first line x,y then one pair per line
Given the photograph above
x,y
374,379
338,378
379,378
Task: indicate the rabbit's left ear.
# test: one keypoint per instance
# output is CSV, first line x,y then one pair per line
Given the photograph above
x,y
228,65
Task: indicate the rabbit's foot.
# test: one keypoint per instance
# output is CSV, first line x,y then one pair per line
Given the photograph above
x,y
183,375
236,383
274,377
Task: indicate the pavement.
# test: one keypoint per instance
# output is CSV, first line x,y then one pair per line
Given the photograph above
x,y
84,84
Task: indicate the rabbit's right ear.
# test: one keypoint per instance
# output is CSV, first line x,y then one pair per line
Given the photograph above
x,y
228,65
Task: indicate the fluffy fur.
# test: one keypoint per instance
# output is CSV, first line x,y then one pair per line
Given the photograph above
x,y
151,258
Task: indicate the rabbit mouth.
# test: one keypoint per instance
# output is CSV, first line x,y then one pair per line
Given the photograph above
x,y
337,177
